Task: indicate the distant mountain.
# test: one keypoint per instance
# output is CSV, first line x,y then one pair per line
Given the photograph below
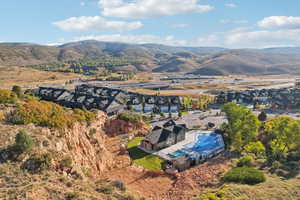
x,y
249,62
158,58
282,50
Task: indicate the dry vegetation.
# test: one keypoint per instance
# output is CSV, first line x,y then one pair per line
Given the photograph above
x,y
201,87
274,188
22,76
254,85
167,93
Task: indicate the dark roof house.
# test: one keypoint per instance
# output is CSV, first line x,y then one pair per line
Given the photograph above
x,y
164,136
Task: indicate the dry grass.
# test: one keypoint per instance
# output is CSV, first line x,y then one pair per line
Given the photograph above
x,y
201,87
253,85
22,76
274,188
18,184
167,93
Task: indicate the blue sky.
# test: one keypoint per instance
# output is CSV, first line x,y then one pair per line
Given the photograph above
x,y
227,23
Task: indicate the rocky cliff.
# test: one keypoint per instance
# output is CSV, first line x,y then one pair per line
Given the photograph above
x,y
82,147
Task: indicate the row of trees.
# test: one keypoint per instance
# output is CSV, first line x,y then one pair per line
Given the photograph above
x,y
200,103
90,65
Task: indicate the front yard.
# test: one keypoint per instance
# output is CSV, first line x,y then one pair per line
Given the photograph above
x,y
141,158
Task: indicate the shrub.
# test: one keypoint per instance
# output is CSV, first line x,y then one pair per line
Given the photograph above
x,y
49,114
106,189
84,115
245,161
128,197
71,196
256,148
7,96
66,162
17,90
293,156
119,184
131,117
179,114
208,196
2,171
23,142
275,166
218,195
2,116
244,175
162,114
38,163
262,116
93,131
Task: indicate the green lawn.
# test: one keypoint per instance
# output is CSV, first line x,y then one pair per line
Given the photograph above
x,y
141,158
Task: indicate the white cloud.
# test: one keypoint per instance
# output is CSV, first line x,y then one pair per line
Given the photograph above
x,y
136,39
209,40
280,22
179,25
96,24
82,3
228,21
244,37
231,5
263,38
150,8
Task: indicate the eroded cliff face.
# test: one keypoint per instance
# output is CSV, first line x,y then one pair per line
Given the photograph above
x,y
81,148
86,145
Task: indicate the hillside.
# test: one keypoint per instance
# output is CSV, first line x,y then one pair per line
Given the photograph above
x,y
154,57
249,62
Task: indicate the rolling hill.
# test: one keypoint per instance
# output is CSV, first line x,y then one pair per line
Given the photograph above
x,y
158,58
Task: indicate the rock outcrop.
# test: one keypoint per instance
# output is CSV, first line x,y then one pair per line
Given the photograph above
x,y
116,127
82,147
86,146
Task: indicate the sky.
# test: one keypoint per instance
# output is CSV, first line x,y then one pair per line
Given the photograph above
x,y
222,23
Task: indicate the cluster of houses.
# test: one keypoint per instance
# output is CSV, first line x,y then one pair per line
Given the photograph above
x,y
279,98
105,100
109,100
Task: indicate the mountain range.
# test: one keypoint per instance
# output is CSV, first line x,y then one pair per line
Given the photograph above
x,y
159,58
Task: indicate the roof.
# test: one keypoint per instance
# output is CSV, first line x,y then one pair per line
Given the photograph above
x,y
160,134
169,123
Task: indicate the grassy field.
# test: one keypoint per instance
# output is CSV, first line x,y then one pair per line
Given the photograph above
x,y
141,158
22,76
167,93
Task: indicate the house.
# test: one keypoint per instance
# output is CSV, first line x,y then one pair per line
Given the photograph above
x,y
164,136
149,106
